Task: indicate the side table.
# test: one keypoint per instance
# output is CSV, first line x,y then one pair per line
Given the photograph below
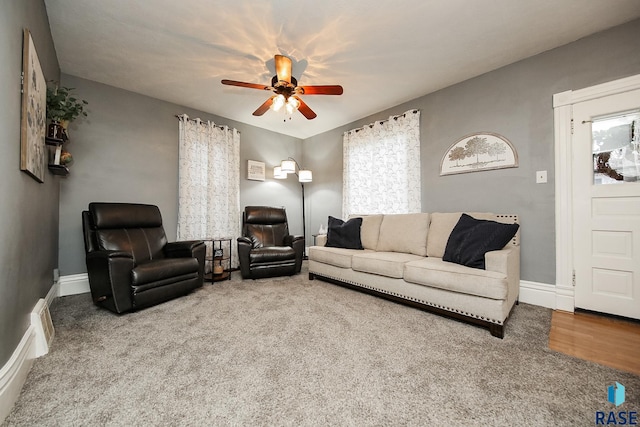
x,y
219,259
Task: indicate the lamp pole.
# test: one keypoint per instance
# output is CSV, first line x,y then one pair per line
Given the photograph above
x,y
291,165
304,224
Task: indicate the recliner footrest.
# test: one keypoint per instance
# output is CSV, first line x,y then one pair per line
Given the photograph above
x,y
162,269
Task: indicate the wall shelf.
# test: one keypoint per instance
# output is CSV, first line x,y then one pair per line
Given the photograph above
x,y
59,170
55,149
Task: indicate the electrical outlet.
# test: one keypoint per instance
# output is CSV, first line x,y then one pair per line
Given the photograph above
x,y
541,177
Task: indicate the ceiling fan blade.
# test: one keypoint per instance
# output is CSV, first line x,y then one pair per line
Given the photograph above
x,y
264,107
320,90
283,68
248,85
305,110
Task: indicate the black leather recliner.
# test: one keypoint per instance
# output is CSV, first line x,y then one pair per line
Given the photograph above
x,y
266,249
129,262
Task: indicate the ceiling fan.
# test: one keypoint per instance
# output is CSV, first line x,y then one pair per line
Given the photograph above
x,y
287,91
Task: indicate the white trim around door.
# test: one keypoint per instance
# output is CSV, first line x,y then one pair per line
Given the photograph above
x,y
563,128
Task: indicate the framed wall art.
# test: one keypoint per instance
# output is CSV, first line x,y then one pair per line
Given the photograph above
x,y
255,170
33,121
479,152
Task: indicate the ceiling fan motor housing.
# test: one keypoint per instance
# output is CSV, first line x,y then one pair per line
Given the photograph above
x,y
282,87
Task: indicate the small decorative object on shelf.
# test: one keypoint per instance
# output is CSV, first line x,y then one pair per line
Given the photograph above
x,y
57,157
219,260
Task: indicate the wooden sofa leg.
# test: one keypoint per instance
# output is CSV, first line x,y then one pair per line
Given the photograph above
x,y
497,330
312,276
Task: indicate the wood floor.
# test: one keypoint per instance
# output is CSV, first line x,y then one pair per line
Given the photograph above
x,y
601,339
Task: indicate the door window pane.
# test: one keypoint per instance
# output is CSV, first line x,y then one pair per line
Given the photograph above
x,y
615,148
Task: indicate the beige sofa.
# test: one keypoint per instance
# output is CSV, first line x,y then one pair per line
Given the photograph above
x,y
402,261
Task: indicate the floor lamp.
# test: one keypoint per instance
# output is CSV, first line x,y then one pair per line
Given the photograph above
x,y
304,175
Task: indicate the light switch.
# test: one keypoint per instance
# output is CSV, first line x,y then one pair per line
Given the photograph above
x,y
541,177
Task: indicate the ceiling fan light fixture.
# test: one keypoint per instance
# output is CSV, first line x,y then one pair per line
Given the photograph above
x,y
292,105
278,102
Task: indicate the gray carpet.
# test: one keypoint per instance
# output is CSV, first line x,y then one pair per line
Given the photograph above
x,y
290,351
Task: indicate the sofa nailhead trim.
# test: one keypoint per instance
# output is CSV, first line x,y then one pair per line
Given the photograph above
x,y
453,310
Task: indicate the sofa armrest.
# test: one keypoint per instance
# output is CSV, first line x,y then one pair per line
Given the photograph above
x,y
506,261
321,240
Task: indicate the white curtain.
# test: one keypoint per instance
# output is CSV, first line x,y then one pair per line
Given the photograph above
x,y
382,167
209,182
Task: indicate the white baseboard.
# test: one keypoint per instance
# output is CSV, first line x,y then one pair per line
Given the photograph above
x,y
546,295
53,293
73,284
536,293
565,298
14,373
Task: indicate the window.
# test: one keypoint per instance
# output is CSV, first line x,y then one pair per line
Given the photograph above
x,y
381,170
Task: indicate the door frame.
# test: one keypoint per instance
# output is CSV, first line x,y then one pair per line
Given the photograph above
x,y
563,131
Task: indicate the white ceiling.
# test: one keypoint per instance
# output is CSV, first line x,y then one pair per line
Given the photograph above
x,y
383,52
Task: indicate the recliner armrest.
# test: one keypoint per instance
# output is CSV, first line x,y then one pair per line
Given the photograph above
x,y
289,240
245,245
298,245
110,279
189,249
182,249
245,240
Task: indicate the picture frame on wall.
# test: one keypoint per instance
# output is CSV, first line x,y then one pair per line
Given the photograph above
x,y
33,154
255,170
479,152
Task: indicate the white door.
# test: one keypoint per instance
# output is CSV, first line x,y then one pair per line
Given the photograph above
x,y
606,204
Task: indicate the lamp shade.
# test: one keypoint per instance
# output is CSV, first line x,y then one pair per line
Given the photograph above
x,y
288,166
278,174
305,176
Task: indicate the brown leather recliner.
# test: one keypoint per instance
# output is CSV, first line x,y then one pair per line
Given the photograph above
x,y
266,249
129,262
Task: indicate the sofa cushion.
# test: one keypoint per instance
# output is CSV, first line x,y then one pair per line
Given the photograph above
x,y
472,238
370,230
405,233
338,257
390,264
344,234
441,274
441,226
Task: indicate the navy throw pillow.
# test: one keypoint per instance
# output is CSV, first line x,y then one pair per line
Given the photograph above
x,y
472,238
342,234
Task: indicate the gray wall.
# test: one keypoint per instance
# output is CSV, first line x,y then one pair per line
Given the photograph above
x,y
126,150
514,101
29,210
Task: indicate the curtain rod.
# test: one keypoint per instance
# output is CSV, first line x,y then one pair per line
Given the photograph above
x,y
214,125
370,125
